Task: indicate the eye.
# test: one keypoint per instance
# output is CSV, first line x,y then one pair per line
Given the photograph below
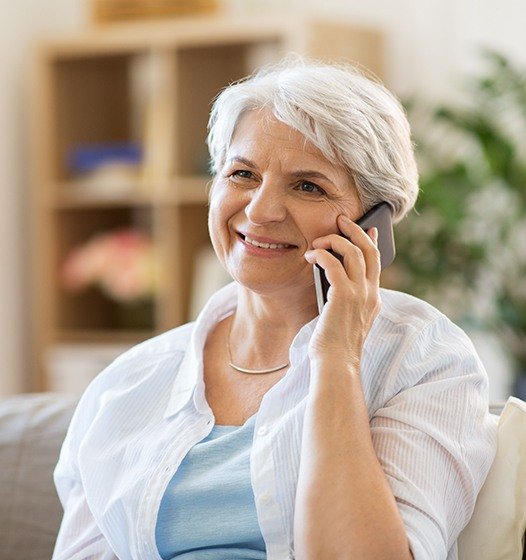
x,y
308,187
242,174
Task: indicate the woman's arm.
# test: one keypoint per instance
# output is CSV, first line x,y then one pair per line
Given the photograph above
x,y
345,508
79,537
344,505
430,442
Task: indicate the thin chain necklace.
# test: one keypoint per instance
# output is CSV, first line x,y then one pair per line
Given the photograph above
x,y
245,370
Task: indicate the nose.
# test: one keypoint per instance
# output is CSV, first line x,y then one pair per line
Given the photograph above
x,y
267,203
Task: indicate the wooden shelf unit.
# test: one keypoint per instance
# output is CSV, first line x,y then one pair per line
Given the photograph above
x,y
87,91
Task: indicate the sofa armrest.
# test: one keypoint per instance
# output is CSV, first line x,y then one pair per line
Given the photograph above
x,y
32,428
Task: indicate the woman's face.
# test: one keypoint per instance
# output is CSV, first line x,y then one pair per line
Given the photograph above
x,y
275,194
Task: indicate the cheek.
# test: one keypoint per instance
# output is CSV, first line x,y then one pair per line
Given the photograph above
x,y
319,224
214,227
220,212
325,222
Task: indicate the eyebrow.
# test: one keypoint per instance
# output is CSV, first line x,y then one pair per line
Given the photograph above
x,y
241,159
311,173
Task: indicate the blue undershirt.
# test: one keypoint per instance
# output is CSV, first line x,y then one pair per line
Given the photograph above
x,y
208,510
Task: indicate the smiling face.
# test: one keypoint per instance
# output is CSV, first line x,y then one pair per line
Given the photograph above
x,y
275,194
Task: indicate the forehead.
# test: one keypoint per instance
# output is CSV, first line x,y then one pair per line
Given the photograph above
x,y
260,133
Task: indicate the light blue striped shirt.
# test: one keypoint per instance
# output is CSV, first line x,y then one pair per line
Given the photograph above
x,y
426,393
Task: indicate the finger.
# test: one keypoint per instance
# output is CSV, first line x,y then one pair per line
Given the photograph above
x,y
366,242
361,256
334,271
353,257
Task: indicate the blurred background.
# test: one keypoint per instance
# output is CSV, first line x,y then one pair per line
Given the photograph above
x,y
103,168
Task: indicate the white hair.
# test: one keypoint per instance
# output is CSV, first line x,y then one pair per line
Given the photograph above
x,y
350,118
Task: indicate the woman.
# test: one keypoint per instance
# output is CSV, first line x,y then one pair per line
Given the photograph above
x,y
264,430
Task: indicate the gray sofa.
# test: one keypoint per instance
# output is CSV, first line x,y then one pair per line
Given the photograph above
x,y
32,428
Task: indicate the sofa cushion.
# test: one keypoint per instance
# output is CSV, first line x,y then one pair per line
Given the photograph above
x,y
496,530
32,428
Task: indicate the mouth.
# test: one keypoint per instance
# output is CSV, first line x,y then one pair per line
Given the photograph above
x,y
262,243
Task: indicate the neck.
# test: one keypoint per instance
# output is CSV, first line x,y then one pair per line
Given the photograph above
x,y
263,327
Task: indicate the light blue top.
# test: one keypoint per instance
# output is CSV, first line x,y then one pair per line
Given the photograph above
x,y
208,510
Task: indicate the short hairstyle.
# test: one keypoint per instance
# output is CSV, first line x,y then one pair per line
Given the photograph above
x,y
351,118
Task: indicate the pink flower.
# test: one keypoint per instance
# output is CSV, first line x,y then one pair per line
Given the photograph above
x,y
120,263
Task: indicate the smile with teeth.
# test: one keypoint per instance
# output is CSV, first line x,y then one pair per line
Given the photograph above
x,y
266,245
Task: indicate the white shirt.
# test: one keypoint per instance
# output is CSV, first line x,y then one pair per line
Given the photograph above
x,y
426,393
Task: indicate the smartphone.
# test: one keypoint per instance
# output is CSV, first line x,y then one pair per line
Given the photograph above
x,y
380,216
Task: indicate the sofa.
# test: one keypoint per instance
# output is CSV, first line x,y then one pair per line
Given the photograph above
x,y
33,426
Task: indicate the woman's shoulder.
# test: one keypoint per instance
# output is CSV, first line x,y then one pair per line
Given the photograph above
x,y
401,308
149,368
142,364
412,343
410,322
173,341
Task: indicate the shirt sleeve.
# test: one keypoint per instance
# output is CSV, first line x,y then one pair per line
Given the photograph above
x,y
79,537
435,438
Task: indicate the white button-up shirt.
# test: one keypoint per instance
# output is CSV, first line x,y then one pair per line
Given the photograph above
x,y
426,393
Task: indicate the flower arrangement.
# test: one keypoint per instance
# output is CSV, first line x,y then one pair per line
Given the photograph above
x,y
120,263
466,250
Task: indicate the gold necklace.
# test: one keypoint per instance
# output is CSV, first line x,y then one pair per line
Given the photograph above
x,y
245,370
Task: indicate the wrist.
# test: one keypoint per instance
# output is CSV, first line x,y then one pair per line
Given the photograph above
x,y
334,374
333,389
343,362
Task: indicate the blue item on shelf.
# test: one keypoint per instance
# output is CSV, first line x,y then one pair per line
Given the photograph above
x,y
86,158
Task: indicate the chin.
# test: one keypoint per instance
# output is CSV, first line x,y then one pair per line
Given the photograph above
x,y
271,283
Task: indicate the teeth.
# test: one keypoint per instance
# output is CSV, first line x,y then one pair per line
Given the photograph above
x,y
266,245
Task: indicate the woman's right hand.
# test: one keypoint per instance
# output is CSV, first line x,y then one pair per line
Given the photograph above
x,y
353,300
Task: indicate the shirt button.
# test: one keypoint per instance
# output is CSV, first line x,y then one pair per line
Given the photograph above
x,y
262,431
265,498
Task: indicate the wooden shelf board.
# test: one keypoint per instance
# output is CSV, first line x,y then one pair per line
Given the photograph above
x,y
71,201
102,335
180,190
196,31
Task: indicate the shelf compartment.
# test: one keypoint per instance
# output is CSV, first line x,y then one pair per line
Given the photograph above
x,y
193,233
91,103
184,231
91,309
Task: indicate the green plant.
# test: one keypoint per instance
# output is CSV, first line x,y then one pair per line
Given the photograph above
x,y
465,247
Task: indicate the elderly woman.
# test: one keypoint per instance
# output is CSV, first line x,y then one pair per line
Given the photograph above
x,y
266,430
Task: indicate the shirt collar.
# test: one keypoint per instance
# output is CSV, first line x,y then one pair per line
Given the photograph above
x,y
190,374
189,381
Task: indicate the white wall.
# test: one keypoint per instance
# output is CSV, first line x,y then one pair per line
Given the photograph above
x,y
20,23
431,44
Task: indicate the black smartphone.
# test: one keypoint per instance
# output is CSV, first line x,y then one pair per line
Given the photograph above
x,y
380,217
